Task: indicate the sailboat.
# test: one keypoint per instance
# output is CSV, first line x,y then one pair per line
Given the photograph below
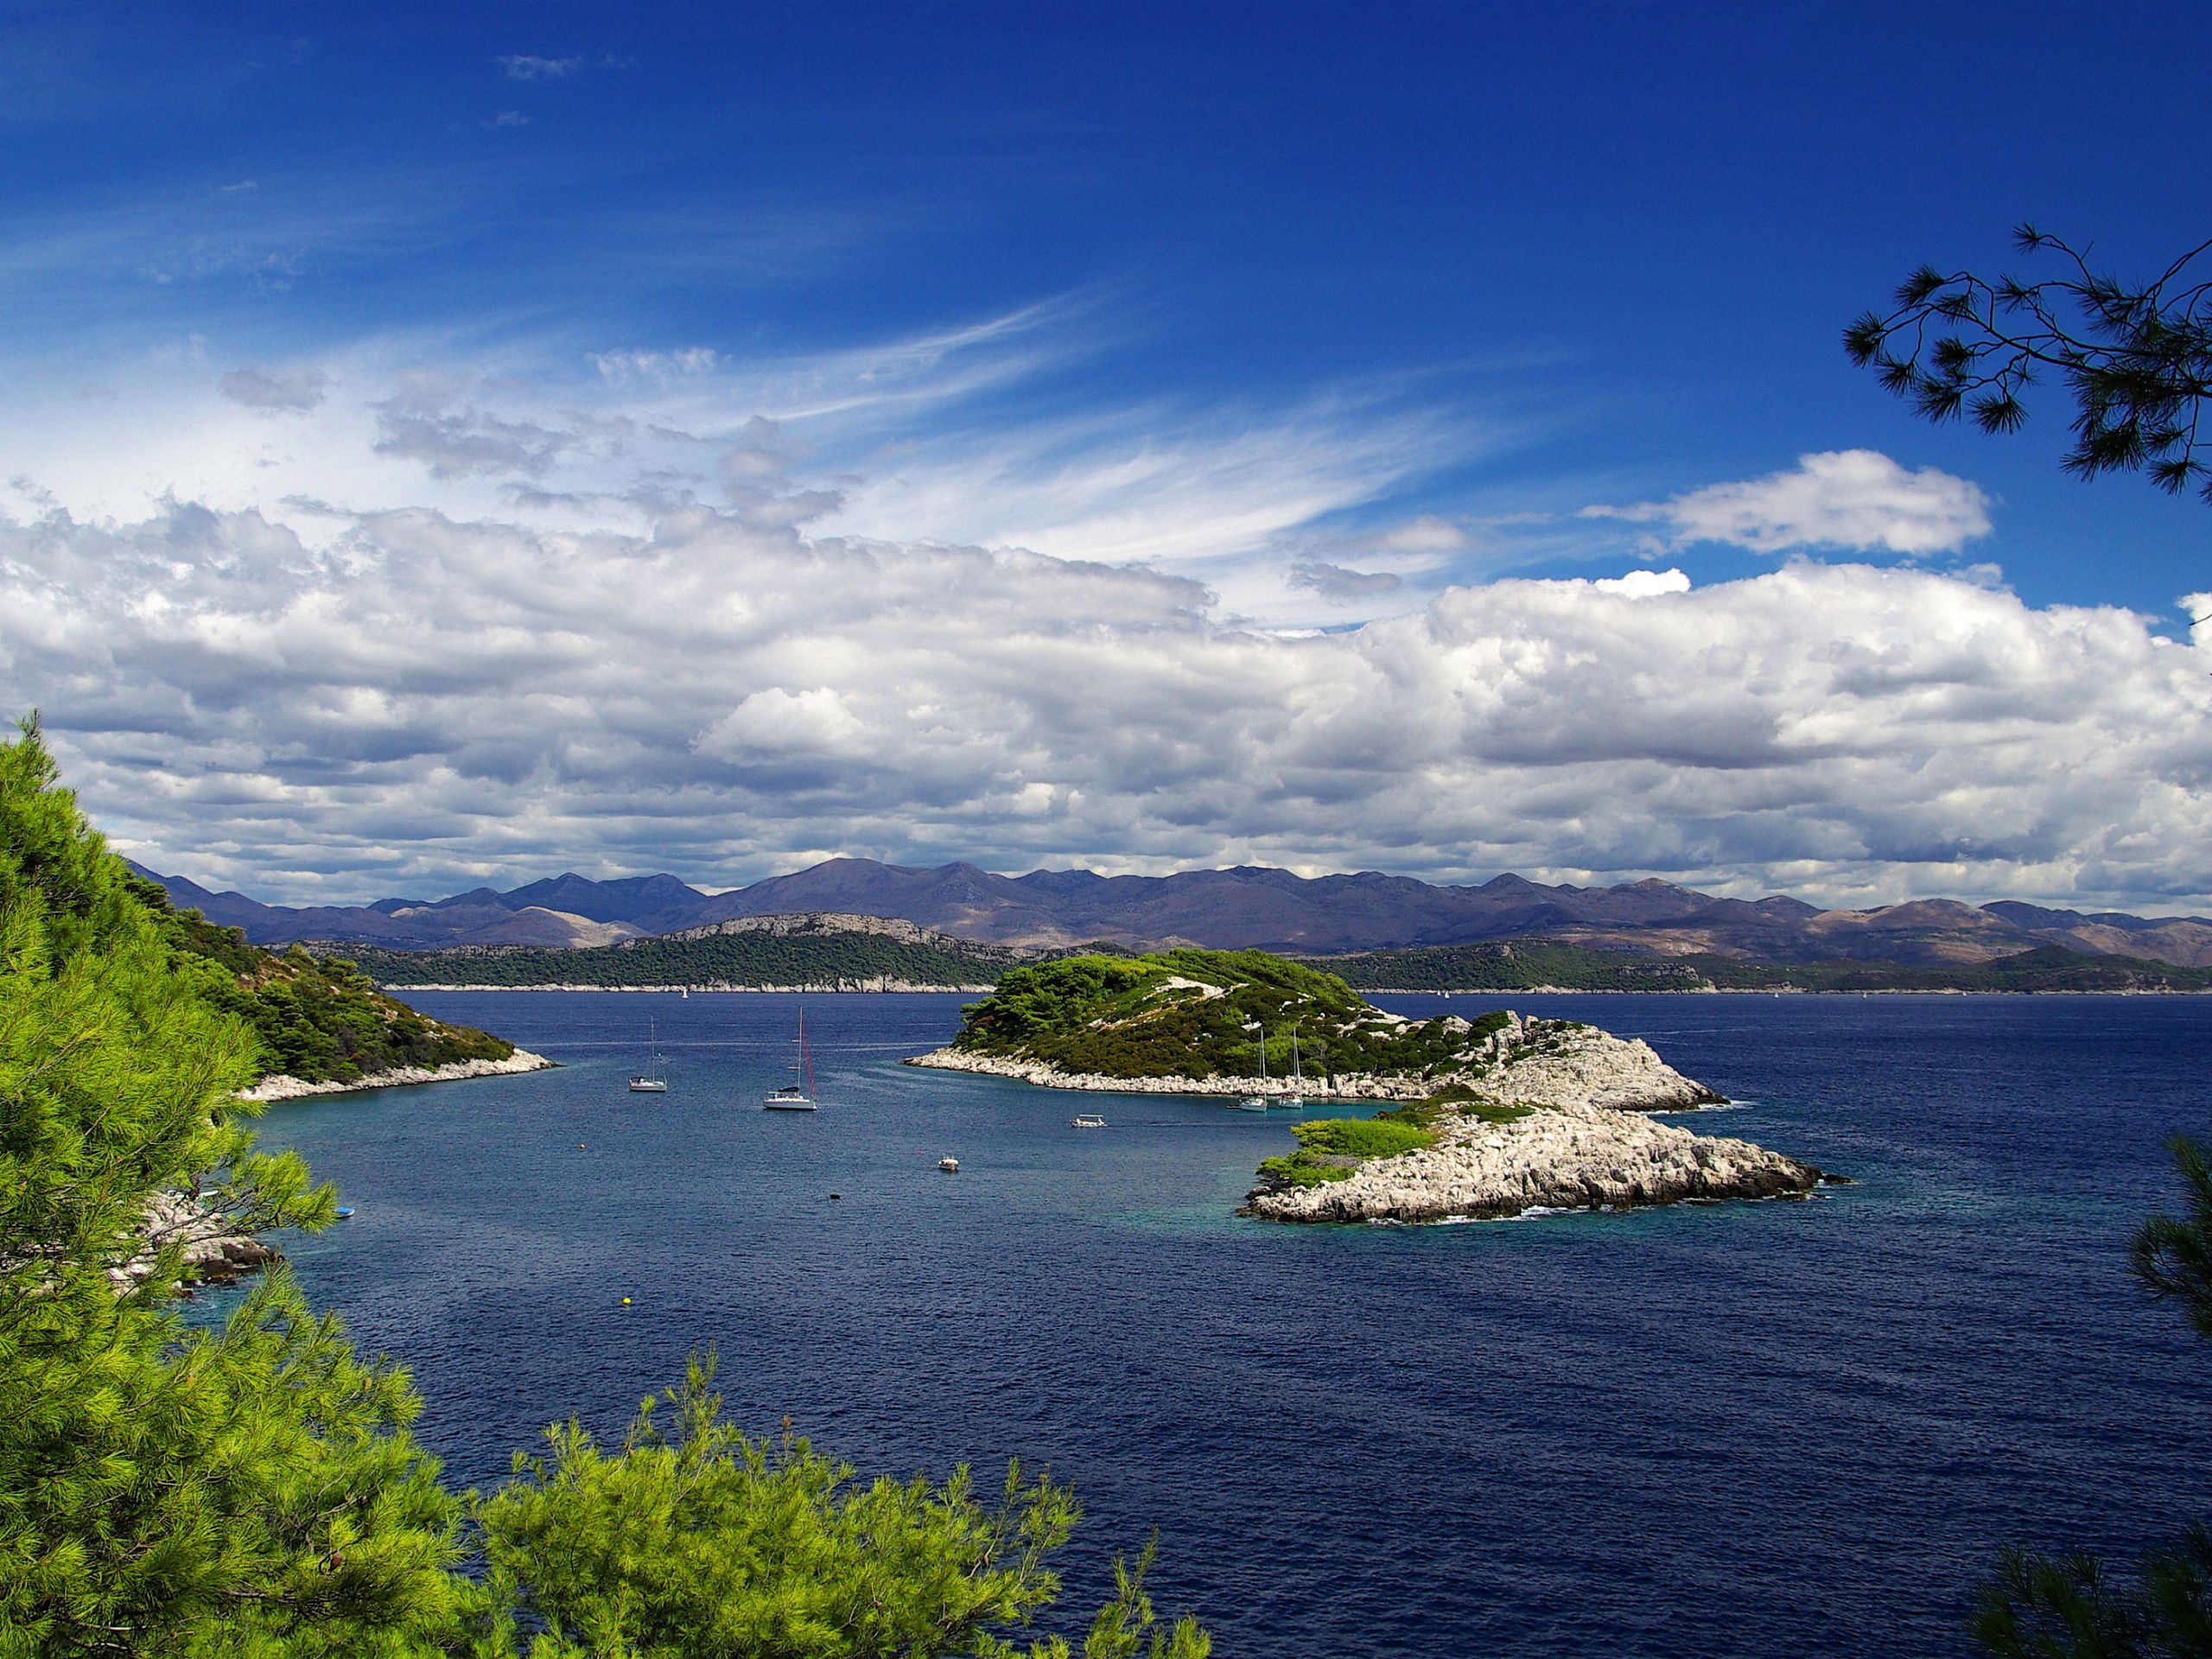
x,y
652,1080
1295,1100
1257,1103
798,1094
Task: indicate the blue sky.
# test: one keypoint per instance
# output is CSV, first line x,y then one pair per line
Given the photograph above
x,y
1329,313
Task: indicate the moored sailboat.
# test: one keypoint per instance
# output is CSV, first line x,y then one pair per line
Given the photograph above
x,y
798,1094
1257,1103
653,1079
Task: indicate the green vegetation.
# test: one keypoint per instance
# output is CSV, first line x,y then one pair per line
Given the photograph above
x,y
750,958
1330,1148
1200,1013
1361,1137
1527,964
253,1492
319,1020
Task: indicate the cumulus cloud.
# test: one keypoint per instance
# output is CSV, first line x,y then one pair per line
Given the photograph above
x,y
1855,499
1340,586
298,388
420,700
460,442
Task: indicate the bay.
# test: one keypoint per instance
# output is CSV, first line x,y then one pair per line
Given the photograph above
x,y
1748,1429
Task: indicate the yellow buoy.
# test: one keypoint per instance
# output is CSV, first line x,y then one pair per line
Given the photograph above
x,y
626,1301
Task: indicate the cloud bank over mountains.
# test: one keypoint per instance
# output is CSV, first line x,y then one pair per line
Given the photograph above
x,y
407,696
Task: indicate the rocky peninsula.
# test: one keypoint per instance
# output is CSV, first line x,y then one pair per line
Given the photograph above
x,y
1486,1118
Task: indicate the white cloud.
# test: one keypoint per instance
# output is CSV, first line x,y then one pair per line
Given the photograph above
x,y
637,365
1427,534
1855,499
524,66
1644,584
415,701
297,389
1340,586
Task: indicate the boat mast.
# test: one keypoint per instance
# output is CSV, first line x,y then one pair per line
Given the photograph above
x,y
805,1056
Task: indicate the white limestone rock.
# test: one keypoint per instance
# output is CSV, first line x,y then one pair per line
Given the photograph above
x,y
1572,1156
282,1087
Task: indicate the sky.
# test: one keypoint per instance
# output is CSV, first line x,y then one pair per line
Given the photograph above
x,y
448,446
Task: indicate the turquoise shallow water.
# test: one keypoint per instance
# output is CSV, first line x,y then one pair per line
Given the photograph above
x,y
1743,1429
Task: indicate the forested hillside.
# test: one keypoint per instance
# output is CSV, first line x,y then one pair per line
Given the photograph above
x,y
1202,1014
1530,965
319,1019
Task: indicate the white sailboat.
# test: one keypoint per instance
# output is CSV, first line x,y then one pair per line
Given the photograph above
x,y
652,1080
1295,1100
798,1094
1257,1103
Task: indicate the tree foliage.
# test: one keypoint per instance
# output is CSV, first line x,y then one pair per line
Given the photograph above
x,y
697,1542
244,1491
1198,1014
253,1491
2137,359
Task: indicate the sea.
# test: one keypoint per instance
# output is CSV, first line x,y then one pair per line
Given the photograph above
x,y
1786,1428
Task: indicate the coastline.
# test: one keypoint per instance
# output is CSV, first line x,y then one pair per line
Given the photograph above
x,y
843,988
1045,1076
282,1087
850,987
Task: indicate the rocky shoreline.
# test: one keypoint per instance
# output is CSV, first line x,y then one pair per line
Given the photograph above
x,y
282,1087
217,1251
1539,1062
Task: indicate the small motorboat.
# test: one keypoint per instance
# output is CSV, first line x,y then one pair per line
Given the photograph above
x,y
344,1212
950,1165
1087,1121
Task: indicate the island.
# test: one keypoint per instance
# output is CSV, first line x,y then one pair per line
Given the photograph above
x,y
1489,1117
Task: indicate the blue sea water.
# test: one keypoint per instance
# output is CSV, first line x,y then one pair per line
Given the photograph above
x,y
1754,1429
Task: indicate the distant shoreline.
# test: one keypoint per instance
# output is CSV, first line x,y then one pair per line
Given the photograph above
x,y
899,988
1366,991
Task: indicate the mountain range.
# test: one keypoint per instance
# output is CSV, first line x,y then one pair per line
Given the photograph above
x,y
1239,908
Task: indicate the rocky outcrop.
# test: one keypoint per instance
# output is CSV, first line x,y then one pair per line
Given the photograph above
x,y
1566,1157
217,1251
282,1087
1558,1061
1541,1062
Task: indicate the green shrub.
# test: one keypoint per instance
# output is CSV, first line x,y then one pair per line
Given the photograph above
x,y
1361,1137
